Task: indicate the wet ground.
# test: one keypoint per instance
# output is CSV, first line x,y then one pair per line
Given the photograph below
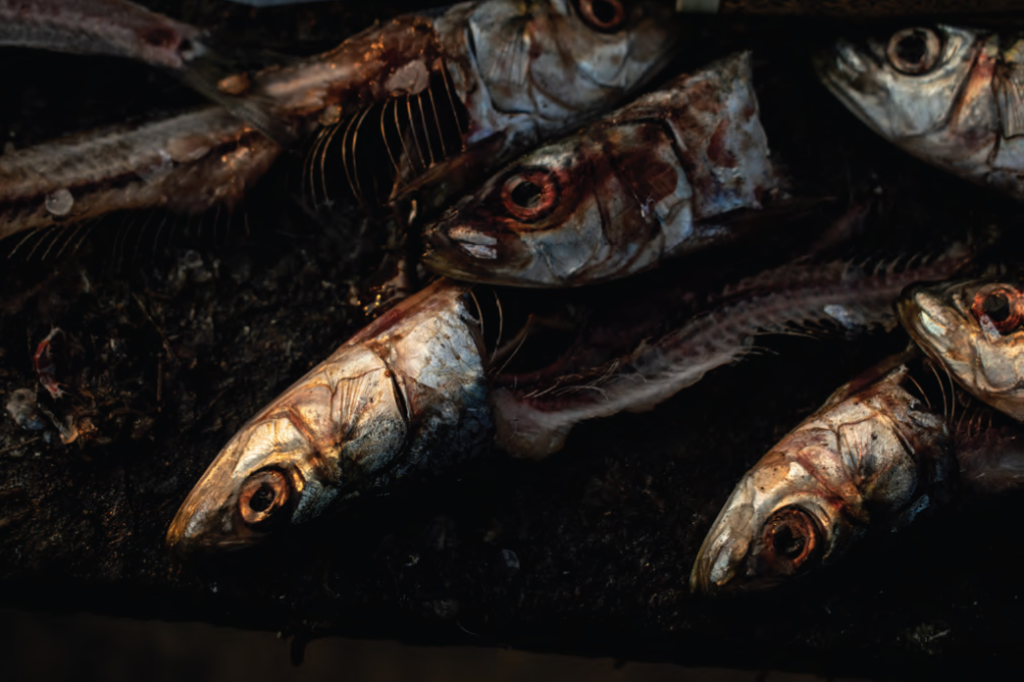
x,y
174,332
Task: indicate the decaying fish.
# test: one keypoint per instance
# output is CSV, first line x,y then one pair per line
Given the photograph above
x,y
972,329
405,395
412,393
497,76
644,184
868,459
949,95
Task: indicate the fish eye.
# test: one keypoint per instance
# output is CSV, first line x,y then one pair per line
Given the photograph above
x,y
789,538
1000,305
530,195
603,15
914,51
263,494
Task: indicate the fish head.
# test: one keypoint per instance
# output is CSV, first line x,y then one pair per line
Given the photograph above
x,y
537,223
925,88
551,58
974,329
333,428
776,524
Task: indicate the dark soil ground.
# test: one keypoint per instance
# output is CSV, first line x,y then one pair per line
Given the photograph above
x,y
173,336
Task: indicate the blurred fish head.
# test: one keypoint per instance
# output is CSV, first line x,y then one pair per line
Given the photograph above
x,y
287,464
532,225
927,89
974,329
545,57
776,524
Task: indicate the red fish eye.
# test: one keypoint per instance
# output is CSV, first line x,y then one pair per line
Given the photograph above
x,y
530,195
603,15
789,538
264,493
914,51
1000,305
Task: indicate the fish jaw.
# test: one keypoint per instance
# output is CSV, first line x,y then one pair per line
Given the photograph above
x,y
986,363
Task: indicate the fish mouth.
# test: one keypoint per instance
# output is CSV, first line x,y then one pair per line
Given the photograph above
x,y
845,69
445,246
723,551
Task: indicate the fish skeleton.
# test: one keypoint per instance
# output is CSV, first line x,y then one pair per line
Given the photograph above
x,y
497,73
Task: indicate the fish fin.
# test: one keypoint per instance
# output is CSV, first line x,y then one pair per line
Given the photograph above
x,y
1010,99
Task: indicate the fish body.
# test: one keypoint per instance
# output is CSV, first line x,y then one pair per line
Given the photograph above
x,y
951,96
972,329
646,183
400,398
868,459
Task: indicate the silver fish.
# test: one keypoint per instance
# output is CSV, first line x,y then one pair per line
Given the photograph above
x,y
397,399
644,184
972,329
949,95
866,460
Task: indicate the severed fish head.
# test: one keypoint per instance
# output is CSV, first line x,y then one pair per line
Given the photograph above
x,y
563,59
405,396
865,460
653,180
973,329
287,463
949,95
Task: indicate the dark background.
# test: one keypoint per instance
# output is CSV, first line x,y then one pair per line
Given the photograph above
x,y
176,335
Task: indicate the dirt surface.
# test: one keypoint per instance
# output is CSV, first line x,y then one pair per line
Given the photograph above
x,y
172,337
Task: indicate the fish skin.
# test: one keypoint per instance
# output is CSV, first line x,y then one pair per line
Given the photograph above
x,y
400,399
643,184
963,114
987,363
867,460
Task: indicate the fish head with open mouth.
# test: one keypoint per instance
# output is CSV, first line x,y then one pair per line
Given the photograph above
x,y
973,330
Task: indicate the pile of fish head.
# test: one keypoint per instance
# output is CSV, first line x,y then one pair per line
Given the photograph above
x,y
973,330
535,66
864,460
639,186
950,95
404,395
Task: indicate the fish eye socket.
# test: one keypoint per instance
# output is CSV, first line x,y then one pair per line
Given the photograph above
x,y
603,15
263,494
789,538
530,195
998,305
914,51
